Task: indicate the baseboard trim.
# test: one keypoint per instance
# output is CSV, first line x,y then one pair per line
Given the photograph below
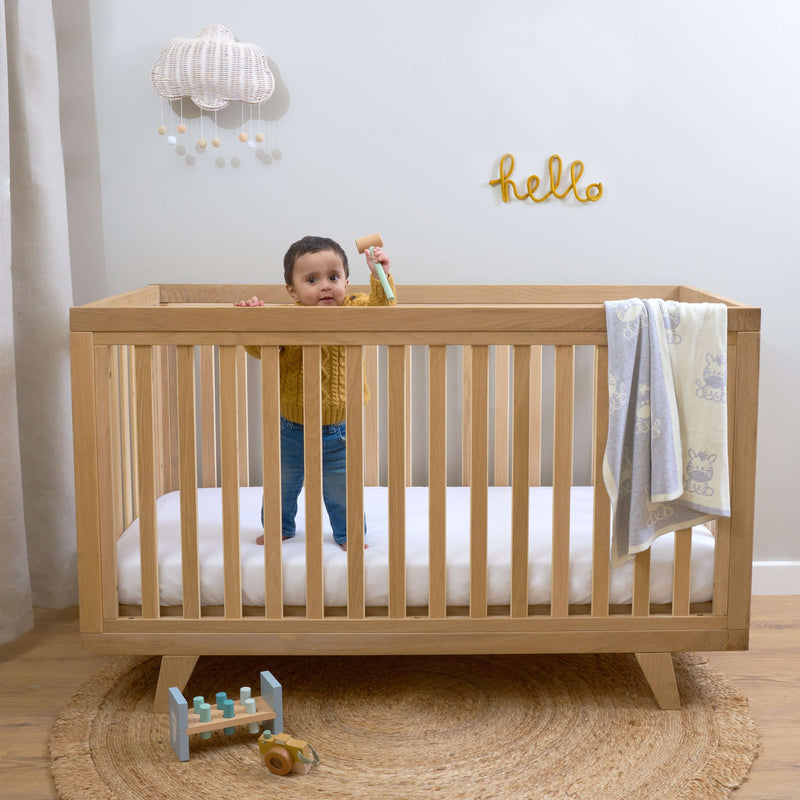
x,y
776,577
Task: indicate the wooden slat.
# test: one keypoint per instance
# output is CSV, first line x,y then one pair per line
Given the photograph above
x,y
371,440
128,433
520,481
408,412
396,489
743,478
562,475
168,420
312,440
116,443
722,534
229,476
187,476
479,483
125,435
437,481
172,360
208,417
641,584
271,470
466,413
159,404
166,424
134,434
502,354
105,485
146,470
601,520
722,560
241,397
354,363
535,445
682,573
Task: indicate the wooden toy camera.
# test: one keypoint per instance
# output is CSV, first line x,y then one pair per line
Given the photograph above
x,y
284,754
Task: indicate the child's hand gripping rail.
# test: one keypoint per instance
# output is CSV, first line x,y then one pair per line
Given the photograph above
x,y
367,243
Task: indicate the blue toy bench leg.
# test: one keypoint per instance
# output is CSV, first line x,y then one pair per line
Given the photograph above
x,y
272,693
178,724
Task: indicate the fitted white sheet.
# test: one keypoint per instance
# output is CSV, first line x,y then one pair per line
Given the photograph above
x,y
376,556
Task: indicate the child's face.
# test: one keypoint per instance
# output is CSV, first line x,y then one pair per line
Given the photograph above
x,y
318,279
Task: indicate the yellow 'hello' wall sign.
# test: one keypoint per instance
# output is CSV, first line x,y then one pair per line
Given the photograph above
x,y
594,191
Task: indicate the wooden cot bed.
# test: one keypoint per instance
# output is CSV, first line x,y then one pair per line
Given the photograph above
x,y
489,408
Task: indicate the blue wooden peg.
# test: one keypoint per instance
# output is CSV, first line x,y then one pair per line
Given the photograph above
x,y
228,713
205,716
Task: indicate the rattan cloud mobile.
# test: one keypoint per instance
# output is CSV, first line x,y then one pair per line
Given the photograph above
x,y
212,70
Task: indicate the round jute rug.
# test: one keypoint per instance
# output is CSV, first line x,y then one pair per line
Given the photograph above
x,y
577,727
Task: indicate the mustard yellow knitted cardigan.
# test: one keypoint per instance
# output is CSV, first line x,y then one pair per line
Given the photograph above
x,y
333,367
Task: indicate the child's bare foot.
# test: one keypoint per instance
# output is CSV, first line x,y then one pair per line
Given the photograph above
x,y
343,545
260,539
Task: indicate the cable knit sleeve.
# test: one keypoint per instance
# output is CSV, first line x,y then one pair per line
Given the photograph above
x,y
376,296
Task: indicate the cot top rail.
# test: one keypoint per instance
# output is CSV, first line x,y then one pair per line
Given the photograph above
x,y
474,308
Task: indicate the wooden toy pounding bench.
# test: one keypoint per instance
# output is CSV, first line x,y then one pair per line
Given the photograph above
x,y
477,461
225,715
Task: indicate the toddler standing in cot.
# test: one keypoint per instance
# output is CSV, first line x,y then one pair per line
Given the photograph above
x,y
317,274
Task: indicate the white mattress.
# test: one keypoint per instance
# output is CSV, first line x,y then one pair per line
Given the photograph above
x,y
376,556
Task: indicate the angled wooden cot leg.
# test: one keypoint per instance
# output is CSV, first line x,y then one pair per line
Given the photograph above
x,y
175,671
660,674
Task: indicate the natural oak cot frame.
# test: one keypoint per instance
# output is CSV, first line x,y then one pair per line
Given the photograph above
x,y
143,364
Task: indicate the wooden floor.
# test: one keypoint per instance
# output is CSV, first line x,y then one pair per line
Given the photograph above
x,y
40,671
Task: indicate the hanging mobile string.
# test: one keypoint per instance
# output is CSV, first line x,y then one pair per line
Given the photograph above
x,y
251,142
216,141
259,135
172,139
235,161
201,142
182,125
243,137
162,128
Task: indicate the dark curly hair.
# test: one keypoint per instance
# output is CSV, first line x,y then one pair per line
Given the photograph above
x,y
311,244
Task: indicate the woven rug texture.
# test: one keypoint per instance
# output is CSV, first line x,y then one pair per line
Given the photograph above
x,y
542,727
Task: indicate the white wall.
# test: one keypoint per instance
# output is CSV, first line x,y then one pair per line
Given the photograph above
x,y
394,116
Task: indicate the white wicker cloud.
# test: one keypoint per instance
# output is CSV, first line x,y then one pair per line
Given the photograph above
x,y
212,69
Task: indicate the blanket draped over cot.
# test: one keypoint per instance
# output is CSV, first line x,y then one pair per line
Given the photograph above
x,y
666,458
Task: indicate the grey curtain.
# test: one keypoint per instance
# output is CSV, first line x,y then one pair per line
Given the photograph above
x,y
37,507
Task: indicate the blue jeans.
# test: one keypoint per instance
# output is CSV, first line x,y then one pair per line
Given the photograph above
x,y
334,477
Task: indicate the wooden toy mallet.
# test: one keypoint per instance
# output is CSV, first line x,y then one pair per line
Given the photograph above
x,y
368,243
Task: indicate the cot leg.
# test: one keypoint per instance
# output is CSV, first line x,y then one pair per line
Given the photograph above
x,y
175,671
660,674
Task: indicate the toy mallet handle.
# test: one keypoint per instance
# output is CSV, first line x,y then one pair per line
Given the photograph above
x,y
367,243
